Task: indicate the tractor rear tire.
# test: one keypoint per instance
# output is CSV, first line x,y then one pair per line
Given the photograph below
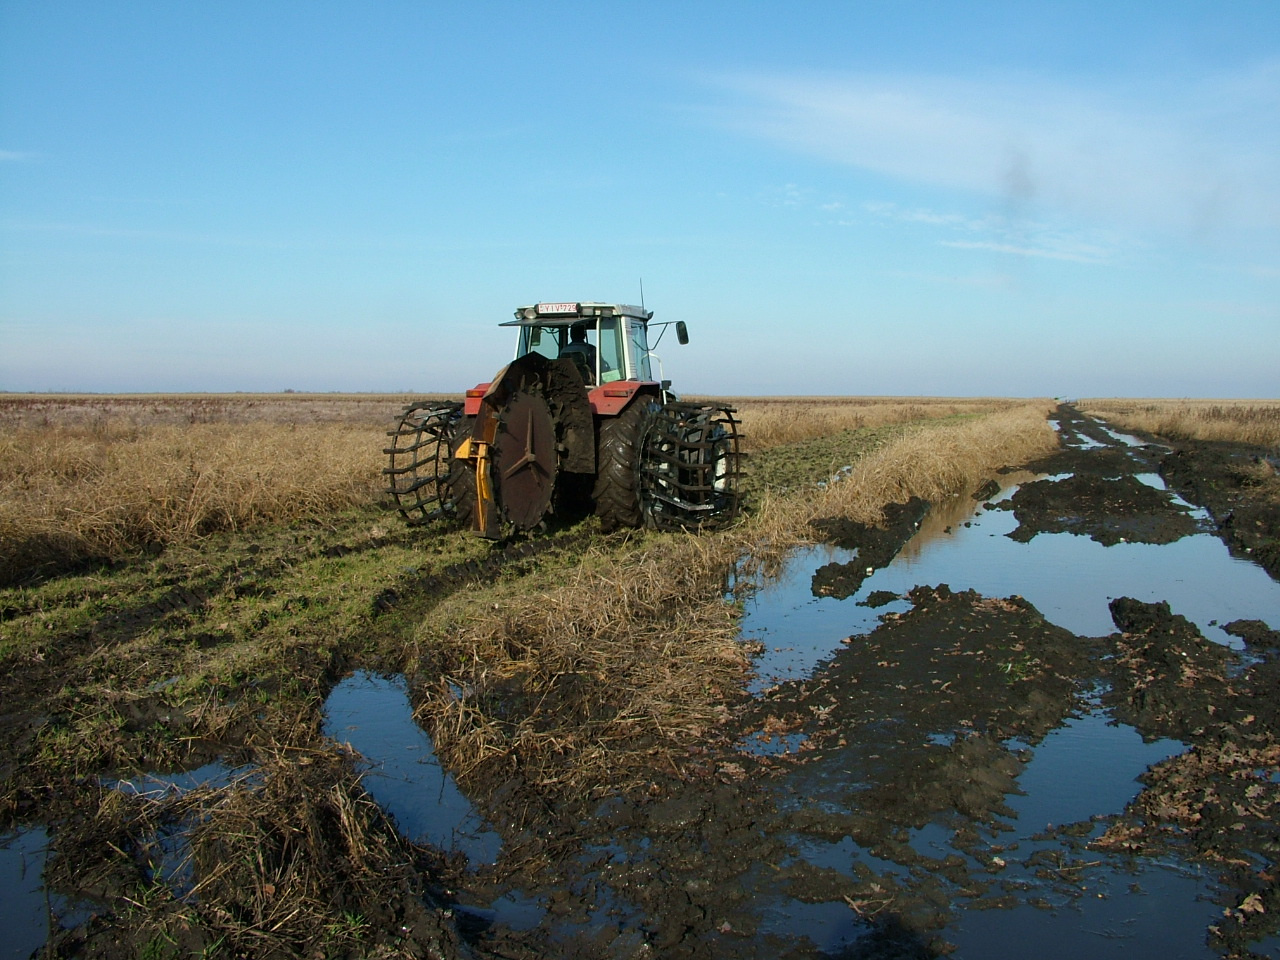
x,y
617,487
462,477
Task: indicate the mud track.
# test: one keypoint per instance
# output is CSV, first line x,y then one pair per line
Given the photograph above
x,y
929,717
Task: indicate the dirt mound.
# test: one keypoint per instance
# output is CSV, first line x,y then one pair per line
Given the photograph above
x,y
1254,632
952,679
1217,802
1240,488
1108,510
1167,679
876,546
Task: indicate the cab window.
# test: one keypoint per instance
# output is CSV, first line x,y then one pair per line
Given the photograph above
x,y
640,350
609,350
543,340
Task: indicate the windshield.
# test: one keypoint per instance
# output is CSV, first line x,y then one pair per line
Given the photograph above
x,y
544,340
602,357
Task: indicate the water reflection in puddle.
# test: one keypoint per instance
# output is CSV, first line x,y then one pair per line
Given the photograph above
x,y
1070,579
1066,783
24,912
373,715
155,786
1087,768
1149,911
1102,908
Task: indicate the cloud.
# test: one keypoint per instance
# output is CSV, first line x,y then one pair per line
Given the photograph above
x,y
891,211
1199,155
16,156
999,234
1019,251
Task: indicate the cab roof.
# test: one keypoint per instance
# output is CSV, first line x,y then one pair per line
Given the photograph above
x,y
565,314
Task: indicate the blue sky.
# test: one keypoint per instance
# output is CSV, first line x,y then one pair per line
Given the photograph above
x,y
838,197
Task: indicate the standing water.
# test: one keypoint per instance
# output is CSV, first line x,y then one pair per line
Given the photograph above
x,y
1019,874
942,756
373,715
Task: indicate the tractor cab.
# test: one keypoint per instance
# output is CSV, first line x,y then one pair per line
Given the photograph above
x,y
606,341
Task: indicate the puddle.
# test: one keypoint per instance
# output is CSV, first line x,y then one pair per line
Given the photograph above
x,y
24,910
515,911
831,927
763,744
1015,881
27,909
373,714
1068,578
159,785
1149,912
1066,783
1128,440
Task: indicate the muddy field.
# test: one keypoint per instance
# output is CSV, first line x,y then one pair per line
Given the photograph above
x,y
180,792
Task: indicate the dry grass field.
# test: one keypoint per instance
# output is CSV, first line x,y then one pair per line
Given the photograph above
x,y
1254,422
776,421
99,477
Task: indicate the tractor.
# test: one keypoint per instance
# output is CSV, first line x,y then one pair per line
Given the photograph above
x,y
576,423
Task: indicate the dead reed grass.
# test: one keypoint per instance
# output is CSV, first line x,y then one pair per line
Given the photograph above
x,y
291,858
116,411
619,666
777,421
939,463
72,493
1255,422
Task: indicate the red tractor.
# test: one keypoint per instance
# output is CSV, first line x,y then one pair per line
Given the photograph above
x,y
576,422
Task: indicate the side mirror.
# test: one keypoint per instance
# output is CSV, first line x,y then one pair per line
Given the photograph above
x,y
535,336
682,332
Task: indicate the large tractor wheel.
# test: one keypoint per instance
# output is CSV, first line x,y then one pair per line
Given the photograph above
x,y
617,487
420,452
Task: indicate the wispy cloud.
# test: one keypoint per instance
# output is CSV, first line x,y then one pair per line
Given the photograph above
x,y
1201,155
1021,251
999,234
16,156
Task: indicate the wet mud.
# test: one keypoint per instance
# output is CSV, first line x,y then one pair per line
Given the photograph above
x,y
1093,490
891,801
1110,511
876,546
1241,490
873,804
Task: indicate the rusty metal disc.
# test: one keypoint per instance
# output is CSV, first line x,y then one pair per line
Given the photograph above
x,y
524,459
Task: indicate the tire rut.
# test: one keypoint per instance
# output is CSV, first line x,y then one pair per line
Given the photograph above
x,y
426,590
